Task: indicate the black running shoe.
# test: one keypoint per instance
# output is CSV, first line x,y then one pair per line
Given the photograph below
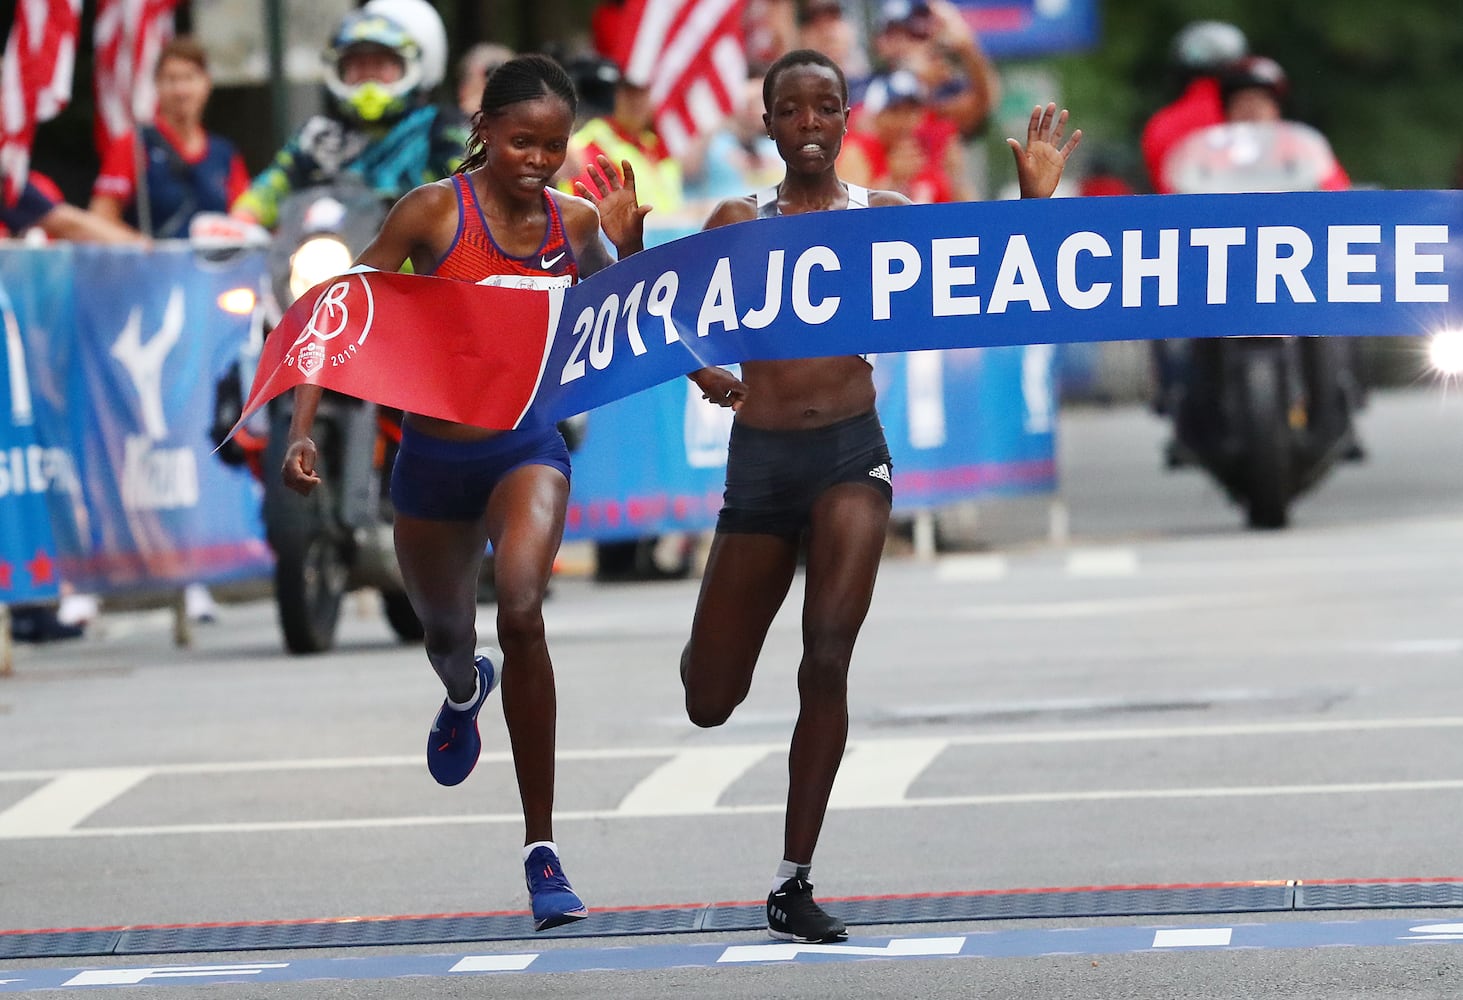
x,y
793,916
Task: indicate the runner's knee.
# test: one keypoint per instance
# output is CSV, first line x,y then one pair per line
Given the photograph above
x,y
826,655
520,620
707,705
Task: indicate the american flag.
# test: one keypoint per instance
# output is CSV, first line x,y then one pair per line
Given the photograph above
x,y
127,38
690,54
35,80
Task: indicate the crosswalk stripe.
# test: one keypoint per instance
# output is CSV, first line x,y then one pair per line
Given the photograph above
x,y
877,774
692,780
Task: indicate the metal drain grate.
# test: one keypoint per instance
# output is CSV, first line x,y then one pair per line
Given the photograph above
x,y
57,944
1117,901
1378,895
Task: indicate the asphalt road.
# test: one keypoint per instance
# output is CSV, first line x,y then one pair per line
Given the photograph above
x,y
1159,697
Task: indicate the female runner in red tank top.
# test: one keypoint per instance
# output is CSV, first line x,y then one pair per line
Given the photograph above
x,y
455,488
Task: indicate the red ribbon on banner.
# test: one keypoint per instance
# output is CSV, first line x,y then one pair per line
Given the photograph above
x,y
473,354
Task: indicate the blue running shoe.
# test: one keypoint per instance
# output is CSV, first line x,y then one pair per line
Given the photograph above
x,y
554,902
453,744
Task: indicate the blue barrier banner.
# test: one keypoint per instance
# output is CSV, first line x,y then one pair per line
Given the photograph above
x,y
29,474
123,350
962,425
1009,28
919,277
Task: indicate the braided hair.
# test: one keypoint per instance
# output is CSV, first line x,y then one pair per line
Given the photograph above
x,y
522,78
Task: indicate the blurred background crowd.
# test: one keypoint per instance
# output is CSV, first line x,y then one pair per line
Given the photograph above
x,y
930,103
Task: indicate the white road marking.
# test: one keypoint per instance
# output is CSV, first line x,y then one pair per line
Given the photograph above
x,y
692,779
1433,647
1301,727
131,977
1102,562
878,773
966,568
68,799
1193,937
787,952
1045,610
493,963
946,801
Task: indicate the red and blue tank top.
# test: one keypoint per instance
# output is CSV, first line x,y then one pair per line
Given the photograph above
x,y
475,256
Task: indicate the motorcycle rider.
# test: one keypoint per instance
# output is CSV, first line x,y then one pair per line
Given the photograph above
x,y
1253,91
381,129
379,123
1198,54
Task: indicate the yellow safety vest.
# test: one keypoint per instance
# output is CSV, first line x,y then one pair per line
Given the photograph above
x,y
657,182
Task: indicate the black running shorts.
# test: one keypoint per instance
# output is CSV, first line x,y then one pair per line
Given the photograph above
x,y
774,476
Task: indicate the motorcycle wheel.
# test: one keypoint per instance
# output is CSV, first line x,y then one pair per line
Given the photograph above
x,y
309,583
402,616
1267,446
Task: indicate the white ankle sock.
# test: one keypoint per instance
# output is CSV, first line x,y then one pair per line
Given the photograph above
x,y
530,848
790,869
477,683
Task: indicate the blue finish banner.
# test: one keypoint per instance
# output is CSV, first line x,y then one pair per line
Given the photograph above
x,y
918,277
930,277
122,349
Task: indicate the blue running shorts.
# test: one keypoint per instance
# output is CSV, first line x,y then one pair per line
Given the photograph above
x,y
442,480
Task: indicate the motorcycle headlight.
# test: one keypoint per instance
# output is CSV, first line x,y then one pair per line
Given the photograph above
x,y
238,301
1445,352
315,260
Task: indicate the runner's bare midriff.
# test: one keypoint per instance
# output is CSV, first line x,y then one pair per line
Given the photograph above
x,y
447,430
805,393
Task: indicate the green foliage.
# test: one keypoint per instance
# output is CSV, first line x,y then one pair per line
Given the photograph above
x,y
1382,80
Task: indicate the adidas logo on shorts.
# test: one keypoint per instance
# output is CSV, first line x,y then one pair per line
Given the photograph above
x,y
881,472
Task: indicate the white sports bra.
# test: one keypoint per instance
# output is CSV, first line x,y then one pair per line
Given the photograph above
x,y
858,197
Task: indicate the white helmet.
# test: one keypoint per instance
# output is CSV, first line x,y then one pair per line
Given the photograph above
x,y
373,101
424,24
1206,46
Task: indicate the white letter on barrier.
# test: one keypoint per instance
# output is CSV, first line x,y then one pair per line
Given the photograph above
x,y
887,282
1018,279
1270,267
718,305
946,277
1094,294
1341,263
1218,242
806,310
1410,263
1164,267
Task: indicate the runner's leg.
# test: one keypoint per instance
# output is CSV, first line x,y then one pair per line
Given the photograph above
x,y
747,577
845,542
439,566
525,522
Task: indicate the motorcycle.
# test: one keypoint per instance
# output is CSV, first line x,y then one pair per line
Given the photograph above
x,y
337,539
1266,416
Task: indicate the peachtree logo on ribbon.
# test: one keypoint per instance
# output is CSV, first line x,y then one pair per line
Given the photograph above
x,y
915,278
331,316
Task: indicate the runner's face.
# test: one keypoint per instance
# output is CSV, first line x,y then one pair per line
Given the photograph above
x,y
808,117
527,142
